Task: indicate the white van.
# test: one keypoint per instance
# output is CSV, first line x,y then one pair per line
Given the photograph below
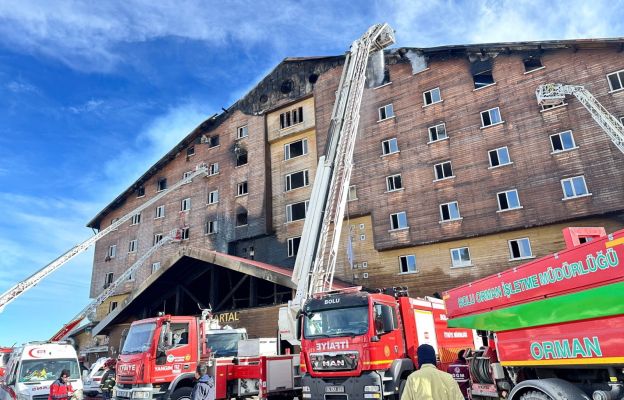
x,y
94,378
32,368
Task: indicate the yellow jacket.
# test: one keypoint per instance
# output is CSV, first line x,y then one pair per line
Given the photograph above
x,y
429,383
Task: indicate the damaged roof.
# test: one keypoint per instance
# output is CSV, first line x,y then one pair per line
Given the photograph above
x,y
294,78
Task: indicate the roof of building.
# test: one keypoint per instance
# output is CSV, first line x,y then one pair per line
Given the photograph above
x,y
243,104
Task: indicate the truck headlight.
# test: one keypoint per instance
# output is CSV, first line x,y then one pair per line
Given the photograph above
x,y
371,388
141,395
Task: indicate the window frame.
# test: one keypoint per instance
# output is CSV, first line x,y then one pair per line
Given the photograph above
x,y
246,213
352,193
186,233
385,115
288,180
460,263
213,169
190,151
133,245
304,148
406,257
511,257
157,238
185,204
498,156
390,141
450,219
441,164
483,73
620,76
140,192
437,132
563,150
242,129
392,179
161,184
398,221
136,219
157,213
500,116
571,180
507,200
430,92
211,227
212,197
112,251
289,215
157,268
291,118
242,189
291,252
529,59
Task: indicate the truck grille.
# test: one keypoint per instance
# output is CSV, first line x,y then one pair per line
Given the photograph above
x,y
334,361
43,397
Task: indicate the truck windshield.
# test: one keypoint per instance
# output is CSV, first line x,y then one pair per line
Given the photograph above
x,y
224,344
139,338
48,370
336,322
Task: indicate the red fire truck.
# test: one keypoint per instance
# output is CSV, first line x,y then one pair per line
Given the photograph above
x,y
159,357
357,344
555,324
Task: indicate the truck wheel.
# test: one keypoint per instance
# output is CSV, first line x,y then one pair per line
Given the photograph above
x,y
533,395
183,393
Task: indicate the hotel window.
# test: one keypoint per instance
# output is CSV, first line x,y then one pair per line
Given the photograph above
x,y
398,221
508,200
155,267
499,157
132,246
211,227
242,132
190,151
186,233
241,218
443,170
460,257
386,112
241,189
520,249
532,64
136,219
185,204
108,279
213,169
483,79
389,146
112,251
296,211
394,182
407,264
574,187
449,211
616,80
352,194
490,117
162,184
213,141
213,197
290,118
437,132
141,191
160,212
157,238
186,175
297,180
295,149
432,96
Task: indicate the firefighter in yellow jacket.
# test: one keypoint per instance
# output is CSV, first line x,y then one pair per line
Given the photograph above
x,y
429,383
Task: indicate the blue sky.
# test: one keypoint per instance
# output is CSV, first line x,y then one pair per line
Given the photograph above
x,y
93,93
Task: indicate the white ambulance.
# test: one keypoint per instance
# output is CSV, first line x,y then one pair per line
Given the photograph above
x,y
32,368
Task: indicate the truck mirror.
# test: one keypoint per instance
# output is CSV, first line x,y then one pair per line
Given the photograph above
x,y
388,320
298,327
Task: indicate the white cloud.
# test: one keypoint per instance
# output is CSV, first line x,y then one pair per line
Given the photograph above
x,y
89,106
20,86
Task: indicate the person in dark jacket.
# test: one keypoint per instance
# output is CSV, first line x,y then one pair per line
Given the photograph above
x,y
108,379
205,387
459,370
61,389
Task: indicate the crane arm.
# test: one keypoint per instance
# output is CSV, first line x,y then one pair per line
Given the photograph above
x,y
28,283
554,94
174,235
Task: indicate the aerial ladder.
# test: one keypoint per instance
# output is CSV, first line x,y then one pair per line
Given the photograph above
x,y
554,94
174,236
316,258
28,283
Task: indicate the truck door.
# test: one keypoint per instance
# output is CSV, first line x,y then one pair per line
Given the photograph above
x,y
387,328
180,354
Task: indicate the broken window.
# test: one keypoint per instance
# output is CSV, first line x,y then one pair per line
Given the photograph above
x,y
108,280
213,197
211,227
389,146
241,157
241,218
482,73
141,191
407,264
616,80
162,184
532,63
132,246
213,141
293,246
490,117
437,132
449,211
499,157
386,112
443,170
398,220
508,200
241,132
394,182
190,151
112,306
297,180
295,149
296,211
432,96
562,141
291,117
519,249
157,238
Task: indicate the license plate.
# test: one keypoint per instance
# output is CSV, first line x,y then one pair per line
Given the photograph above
x,y
484,390
334,389
124,393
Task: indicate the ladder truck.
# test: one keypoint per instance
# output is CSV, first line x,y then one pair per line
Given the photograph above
x,y
553,94
354,344
28,283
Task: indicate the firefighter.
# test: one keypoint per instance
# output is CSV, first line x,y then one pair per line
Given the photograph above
x,y
459,370
108,379
429,383
61,389
204,389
